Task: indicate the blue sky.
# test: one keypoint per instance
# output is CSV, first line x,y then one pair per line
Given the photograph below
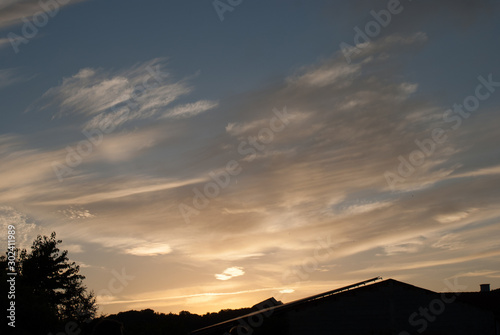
x,y
217,163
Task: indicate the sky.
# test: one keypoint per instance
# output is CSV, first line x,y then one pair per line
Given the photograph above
x,y
203,155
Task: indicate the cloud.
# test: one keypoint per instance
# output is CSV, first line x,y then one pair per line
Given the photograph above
x,y
73,249
83,265
357,125
485,171
411,246
449,242
150,249
334,72
12,12
230,273
125,146
10,77
26,230
448,218
238,129
171,297
344,136
361,208
190,109
22,168
286,291
120,192
483,273
136,246
143,91
76,213
319,182
433,263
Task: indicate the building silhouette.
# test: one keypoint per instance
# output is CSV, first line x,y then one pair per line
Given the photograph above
x,y
372,307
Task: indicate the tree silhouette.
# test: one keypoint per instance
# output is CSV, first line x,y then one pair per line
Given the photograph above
x,y
49,289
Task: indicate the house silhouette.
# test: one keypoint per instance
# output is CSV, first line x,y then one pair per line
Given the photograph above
x,y
383,307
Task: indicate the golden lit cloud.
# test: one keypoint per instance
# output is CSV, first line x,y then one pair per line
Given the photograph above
x,y
231,272
151,249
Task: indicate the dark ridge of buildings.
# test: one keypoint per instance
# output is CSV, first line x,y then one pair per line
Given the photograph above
x,y
384,307
266,304
489,300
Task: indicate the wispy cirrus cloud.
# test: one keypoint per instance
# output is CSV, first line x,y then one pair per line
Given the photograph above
x,y
189,110
449,242
10,77
359,119
479,273
136,246
76,213
321,176
12,12
115,98
434,263
332,72
121,192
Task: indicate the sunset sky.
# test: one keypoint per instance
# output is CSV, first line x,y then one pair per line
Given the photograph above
x,y
196,155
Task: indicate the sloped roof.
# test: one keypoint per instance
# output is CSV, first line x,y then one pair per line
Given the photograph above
x,y
315,298
487,301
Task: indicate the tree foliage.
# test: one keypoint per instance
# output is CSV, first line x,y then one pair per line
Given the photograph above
x,y
49,288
